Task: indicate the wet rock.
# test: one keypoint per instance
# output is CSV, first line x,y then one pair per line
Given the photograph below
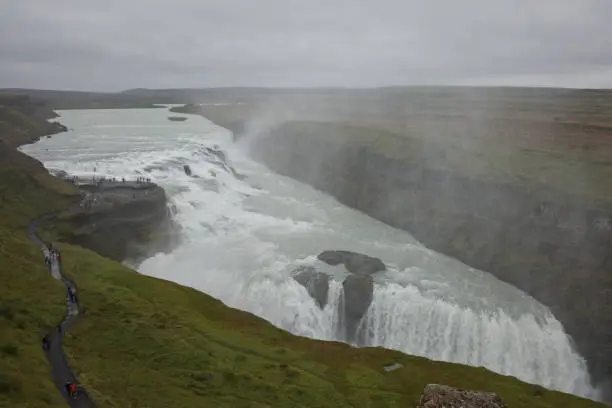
x,y
354,262
122,221
187,170
316,283
443,396
357,294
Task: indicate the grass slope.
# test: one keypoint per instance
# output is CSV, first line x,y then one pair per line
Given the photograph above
x,y
151,343
31,302
154,341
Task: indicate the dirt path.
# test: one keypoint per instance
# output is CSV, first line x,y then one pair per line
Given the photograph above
x,y
60,368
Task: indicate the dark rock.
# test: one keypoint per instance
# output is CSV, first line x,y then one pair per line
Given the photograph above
x,y
187,170
443,396
358,264
316,283
357,295
122,221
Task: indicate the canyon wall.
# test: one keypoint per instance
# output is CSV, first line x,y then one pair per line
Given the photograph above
x,y
553,244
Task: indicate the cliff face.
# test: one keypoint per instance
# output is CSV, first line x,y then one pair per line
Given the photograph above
x,y
231,118
551,244
121,221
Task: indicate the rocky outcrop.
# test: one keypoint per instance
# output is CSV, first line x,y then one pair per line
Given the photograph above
x,y
357,295
357,289
187,170
549,243
443,396
121,221
358,264
316,283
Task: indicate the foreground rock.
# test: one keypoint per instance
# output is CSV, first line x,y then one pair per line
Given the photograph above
x,y
356,263
122,220
316,283
442,396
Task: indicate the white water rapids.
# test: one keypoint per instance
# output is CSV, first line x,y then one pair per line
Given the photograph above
x,y
243,236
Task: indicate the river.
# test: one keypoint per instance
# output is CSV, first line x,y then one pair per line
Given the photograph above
x,y
242,236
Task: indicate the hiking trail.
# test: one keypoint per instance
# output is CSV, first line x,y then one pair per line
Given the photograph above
x,y
60,368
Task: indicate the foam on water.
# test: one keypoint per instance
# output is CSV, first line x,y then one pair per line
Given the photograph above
x,y
243,236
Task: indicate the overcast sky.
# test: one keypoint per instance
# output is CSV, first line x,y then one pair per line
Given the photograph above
x,y
120,44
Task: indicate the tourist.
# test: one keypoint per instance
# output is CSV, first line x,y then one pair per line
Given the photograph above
x,y
72,293
70,388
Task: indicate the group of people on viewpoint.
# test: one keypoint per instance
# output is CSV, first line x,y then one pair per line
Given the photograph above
x,y
76,180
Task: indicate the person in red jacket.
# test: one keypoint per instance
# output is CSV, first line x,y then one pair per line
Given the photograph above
x,y
70,388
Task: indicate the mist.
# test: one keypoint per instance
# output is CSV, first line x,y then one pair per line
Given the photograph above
x,y
486,176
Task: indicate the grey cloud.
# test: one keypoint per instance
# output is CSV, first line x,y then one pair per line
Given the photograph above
x,y
116,44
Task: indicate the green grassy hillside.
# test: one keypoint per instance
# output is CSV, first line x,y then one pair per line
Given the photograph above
x,y
148,342
23,120
31,302
145,340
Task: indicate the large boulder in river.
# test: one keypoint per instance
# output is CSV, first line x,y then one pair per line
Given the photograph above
x,y
354,262
443,396
316,283
187,169
357,295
